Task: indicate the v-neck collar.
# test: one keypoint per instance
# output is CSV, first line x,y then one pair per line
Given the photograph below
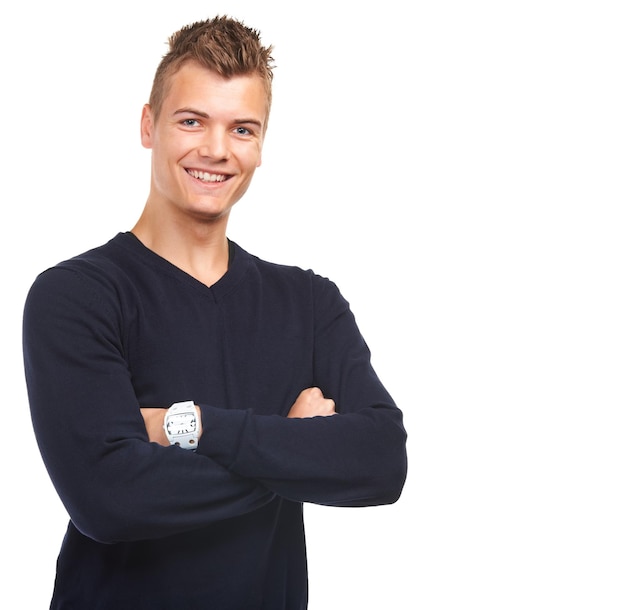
x,y
238,262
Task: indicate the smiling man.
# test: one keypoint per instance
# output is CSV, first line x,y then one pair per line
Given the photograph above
x,y
206,137
188,397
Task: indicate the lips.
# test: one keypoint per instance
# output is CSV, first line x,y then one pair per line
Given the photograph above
x,y
206,176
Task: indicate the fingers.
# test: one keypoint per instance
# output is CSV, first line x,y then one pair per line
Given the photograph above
x,y
311,403
311,393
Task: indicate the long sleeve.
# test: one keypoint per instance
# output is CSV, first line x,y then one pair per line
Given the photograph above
x,y
355,458
114,484
119,328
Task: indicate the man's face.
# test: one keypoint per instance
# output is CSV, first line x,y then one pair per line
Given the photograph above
x,y
206,143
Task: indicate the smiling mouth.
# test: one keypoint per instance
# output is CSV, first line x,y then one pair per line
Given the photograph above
x,y
206,176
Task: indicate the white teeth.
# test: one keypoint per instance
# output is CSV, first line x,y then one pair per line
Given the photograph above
x,y
205,176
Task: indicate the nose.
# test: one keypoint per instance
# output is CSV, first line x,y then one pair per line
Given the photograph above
x,y
215,145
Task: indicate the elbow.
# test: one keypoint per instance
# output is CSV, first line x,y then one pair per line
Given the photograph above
x,y
392,485
392,477
109,520
391,464
394,490
382,488
102,528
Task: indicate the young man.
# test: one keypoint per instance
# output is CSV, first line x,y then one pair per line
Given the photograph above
x,y
188,397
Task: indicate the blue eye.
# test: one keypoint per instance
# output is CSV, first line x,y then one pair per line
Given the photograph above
x,y
242,131
190,122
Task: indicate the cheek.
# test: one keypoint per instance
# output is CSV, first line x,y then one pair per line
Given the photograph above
x,y
168,152
253,157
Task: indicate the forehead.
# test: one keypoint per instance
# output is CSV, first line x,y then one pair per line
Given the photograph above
x,y
198,87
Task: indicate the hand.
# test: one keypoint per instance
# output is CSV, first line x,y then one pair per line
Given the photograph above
x,y
311,403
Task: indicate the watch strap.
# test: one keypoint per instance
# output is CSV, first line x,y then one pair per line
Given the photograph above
x,y
186,440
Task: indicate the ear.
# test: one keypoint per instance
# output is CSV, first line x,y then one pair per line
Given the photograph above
x,y
147,126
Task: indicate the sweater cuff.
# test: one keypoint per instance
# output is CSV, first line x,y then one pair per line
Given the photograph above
x,y
221,433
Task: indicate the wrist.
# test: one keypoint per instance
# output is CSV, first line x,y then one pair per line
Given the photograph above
x,y
183,424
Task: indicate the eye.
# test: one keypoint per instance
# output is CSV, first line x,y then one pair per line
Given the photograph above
x,y
190,123
242,131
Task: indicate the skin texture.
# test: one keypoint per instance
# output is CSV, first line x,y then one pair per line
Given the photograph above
x,y
214,126
207,124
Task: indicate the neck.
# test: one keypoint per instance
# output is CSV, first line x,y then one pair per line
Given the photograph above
x,y
199,249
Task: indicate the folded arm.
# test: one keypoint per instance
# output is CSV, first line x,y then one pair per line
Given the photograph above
x,y
115,485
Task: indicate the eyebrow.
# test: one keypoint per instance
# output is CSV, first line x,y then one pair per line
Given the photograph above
x,y
204,115
199,113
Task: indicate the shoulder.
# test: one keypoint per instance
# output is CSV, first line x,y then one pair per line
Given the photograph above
x,y
293,279
280,272
83,280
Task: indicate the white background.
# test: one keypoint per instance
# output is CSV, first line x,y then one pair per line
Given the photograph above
x,y
458,169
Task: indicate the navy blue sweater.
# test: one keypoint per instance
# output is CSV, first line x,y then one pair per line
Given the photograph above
x,y
155,527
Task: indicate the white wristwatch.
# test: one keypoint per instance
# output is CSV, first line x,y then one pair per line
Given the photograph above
x,y
181,425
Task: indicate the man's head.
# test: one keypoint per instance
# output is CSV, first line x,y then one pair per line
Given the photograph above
x,y
224,46
206,121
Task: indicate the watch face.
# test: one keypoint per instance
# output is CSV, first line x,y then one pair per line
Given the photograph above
x,y
181,423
